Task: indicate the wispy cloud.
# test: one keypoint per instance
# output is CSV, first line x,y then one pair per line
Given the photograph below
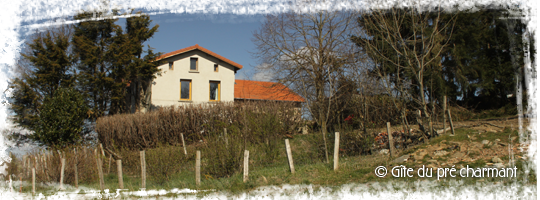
x,y
263,73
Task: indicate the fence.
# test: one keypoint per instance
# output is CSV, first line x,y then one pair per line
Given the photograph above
x,y
87,164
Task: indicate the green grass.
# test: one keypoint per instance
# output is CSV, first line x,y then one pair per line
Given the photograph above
x,y
355,179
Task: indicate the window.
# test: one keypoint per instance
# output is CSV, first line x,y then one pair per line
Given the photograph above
x,y
194,64
214,90
215,67
171,65
185,90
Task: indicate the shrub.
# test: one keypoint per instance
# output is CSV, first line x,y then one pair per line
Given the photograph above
x,y
164,161
61,119
259,121
221,159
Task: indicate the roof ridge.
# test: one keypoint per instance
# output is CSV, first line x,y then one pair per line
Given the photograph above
x,y
196,46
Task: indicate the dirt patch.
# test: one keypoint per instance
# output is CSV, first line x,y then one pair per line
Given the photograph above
x,y
489,144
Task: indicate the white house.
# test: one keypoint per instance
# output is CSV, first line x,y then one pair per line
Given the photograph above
x,y
198,75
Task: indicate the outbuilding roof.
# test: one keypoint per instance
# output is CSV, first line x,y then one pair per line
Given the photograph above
x,y
262,90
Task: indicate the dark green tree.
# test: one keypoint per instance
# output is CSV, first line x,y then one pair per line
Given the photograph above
x,y
45,66
52,62
486,51
60,122
92,40
115,70
141,69
24,102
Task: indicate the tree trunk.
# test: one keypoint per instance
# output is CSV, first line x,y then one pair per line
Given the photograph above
x,y
322,117
132,97
424,107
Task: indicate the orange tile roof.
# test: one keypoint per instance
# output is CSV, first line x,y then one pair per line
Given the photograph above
x,y
261,90
196,46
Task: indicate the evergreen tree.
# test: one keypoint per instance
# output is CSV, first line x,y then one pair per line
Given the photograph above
x,y
60,122
92,40
51,61
24,103
479,66
141,69
114,73
45,66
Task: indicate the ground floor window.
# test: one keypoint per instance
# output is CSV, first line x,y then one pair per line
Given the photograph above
x,y
214,90
185,90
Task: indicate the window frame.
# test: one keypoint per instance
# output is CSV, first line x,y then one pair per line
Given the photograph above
x,y
218,96
196,64
190,89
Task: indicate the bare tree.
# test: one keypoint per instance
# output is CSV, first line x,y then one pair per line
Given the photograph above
x,y
405,43
309,52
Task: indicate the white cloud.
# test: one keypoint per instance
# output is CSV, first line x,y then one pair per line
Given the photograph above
x,y
263,76
263,73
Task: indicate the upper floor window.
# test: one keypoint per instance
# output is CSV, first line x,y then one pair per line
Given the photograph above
x,y
194,64
171,65
215,67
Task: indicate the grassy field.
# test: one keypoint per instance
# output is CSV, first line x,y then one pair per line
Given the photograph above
x,y
355,179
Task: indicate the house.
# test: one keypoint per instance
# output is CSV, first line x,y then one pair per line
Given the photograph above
x,y
198,75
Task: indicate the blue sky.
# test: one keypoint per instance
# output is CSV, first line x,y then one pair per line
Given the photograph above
x,y
224,27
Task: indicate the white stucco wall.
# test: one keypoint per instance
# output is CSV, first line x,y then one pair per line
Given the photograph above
x,y
166,88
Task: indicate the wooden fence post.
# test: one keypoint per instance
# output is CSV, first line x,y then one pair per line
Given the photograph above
x,y
289,155
100,170
23,163
75,168
143,169
336,152
246,165
120,177
33,181
28,165
45,165
444,114
198,168
36,163
109,167
11,188
62,173
390,140
101,147
450,120
183,143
